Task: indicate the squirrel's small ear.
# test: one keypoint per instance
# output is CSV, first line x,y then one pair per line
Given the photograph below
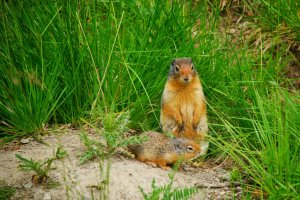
x,y
173,61
176,142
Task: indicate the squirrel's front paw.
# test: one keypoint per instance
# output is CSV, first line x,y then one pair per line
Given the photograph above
x,y
180,127
198,127
178,130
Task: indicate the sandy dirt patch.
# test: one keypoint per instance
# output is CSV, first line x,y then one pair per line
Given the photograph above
x,y
79,181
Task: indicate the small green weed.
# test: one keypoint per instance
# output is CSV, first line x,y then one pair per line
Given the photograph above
x,y
6,192
60,153
115,126
104,179
41,168
167,192
94,148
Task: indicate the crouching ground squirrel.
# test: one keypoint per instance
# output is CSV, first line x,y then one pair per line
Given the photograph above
x,y
160,150
183,106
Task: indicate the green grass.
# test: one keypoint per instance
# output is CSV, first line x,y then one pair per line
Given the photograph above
x,y
6,192
63,61
268,149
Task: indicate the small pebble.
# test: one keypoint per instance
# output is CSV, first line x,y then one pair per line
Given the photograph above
x,y
226,177
47,196
221,171
222,192
27,185
19,186
38,195
25,141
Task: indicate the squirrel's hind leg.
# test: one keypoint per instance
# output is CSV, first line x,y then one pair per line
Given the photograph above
x,y
158,163
151,163
166,168
163,164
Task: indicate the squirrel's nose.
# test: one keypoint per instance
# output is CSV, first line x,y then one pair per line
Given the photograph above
x,y
186,79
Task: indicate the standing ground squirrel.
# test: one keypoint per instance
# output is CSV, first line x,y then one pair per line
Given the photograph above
x,y
183,107
160,150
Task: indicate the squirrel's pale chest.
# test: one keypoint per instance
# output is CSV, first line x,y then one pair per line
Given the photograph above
x,y
184,102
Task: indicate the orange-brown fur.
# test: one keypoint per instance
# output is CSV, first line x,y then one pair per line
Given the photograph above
x,y
183,110
159,150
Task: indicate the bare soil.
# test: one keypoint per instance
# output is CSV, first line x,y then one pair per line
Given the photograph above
x,y
81,181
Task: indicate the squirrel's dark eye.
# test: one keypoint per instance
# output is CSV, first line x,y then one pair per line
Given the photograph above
x,y
192,67
176,68
190,149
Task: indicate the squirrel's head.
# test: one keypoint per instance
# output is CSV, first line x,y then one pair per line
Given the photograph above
x,y
186,147
183,70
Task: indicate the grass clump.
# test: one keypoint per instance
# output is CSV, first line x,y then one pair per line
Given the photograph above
x,y
267,149
75,57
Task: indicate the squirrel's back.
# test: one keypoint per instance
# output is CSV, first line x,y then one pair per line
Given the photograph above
x,y
163,150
